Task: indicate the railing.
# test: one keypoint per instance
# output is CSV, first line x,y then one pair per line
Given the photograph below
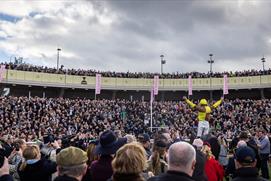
x,y
72,81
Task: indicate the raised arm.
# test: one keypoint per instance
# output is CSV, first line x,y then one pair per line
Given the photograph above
x,y
217,103
190,103
194,106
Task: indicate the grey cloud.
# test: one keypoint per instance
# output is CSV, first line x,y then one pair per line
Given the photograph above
x,y
185,31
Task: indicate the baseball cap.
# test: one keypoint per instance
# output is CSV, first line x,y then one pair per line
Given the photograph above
x,y
245,154
144,137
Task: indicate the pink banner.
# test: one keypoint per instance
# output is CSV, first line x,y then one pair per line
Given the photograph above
x,y
151,96
190,85
155,85
225,86
98,84
2,72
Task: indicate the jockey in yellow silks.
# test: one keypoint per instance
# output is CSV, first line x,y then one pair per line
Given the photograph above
x,y
204,112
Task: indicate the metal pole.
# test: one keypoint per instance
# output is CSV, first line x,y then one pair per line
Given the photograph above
x,y
162,56
263,61
211,61
151,115
57,63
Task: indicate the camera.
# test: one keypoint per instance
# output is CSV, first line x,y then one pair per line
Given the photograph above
x,y
48,139
16,147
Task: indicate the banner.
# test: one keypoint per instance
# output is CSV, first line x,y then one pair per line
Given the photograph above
x,y
225,86
2,72
98,84
155,85
151,100
190,85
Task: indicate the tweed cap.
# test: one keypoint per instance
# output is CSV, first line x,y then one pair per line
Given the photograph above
x,y
71,156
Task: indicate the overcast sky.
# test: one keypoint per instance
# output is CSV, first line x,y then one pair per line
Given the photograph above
x,y
124,35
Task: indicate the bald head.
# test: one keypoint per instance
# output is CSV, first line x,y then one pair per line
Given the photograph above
x,y
241,143
182,157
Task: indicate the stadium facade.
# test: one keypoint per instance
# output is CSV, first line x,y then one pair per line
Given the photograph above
x,y
25,83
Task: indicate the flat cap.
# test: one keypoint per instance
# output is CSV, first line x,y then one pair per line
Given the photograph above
x,y
71,156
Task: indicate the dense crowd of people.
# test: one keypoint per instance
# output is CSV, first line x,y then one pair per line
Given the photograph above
x,y
31,118
39,134
92,72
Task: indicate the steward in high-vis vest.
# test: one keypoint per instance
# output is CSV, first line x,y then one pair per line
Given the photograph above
x,y
204,112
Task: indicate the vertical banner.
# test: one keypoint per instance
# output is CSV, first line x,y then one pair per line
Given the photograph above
x,y
225,86
190,85
2,72
151,100
98,84
155,85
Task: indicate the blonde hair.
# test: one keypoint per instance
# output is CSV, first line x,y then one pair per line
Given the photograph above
x,y
158,153
29,153
207,151
91,156
130,159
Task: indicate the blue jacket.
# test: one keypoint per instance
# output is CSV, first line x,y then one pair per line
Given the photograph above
x,y
265,145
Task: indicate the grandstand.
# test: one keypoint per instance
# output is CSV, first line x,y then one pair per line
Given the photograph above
x,y
53,83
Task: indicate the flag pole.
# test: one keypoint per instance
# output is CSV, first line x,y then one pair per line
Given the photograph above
x,y
151,100
151,116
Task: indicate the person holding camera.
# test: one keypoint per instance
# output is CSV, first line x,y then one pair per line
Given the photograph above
x,y
4,170
34,167
16,157
50,147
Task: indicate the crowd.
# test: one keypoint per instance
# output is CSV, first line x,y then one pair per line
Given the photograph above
x,y
31,118
91,72
46,139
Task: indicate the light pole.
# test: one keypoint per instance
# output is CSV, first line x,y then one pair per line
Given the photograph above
x,y
57,63
162,63
262,89
11,58
211,61
263,61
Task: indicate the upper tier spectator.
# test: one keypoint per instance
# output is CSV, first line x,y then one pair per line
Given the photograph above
x,y
91,72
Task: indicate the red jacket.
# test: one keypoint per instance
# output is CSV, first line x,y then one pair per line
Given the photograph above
x,y
214,171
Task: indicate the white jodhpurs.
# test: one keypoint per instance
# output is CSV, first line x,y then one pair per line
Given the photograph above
x,y
203,128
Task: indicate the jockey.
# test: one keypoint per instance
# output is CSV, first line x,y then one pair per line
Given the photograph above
x,y
204,112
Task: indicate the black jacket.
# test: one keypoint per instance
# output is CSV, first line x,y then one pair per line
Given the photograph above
x,y
172,176
39,171
215,146
248,174
199,173
230,169
6,178
65,178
